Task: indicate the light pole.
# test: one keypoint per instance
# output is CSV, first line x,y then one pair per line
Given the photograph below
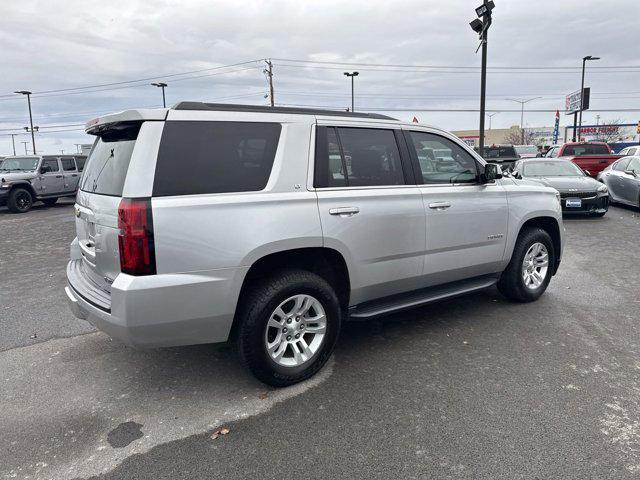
x,y
491,115
13,142
522,102
584,62
481,27
353,74
162,85
25,147
33,137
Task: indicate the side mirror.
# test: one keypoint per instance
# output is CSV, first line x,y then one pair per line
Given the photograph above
x,y
631,172
43,170
491,172
539,155
587,172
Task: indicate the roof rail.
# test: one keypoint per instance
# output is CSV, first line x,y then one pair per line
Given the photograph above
x,y
230,107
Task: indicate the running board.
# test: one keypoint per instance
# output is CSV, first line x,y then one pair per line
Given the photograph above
x,y
417,298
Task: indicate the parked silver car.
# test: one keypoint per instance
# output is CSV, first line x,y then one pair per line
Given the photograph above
x,y
26,179
270,226
622,178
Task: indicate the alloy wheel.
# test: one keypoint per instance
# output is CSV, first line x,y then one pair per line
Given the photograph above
x,y
535,265
295,330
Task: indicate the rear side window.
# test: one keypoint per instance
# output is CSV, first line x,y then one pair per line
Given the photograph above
x,y
107,165
357,157
215,157
68,164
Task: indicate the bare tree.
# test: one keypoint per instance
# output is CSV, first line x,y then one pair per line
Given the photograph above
x,y
514,137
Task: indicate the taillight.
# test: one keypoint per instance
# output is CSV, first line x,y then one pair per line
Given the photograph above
x,y
137,252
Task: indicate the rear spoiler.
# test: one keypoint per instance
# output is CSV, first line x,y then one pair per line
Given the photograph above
x,y
99,124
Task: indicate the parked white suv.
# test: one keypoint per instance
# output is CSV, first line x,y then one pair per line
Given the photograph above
x,y
270,226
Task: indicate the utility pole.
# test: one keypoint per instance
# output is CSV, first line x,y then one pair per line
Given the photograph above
x,y
584,61
352,75
482,28
62,152
13,141
162,85
33,137
25,147
269,73
522,102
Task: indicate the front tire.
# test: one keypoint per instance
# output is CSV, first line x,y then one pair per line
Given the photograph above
x,y
287,327
20,200
529,271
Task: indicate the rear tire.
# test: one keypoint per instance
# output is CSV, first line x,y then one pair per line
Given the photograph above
x,y
524,268
267,340
20,200
49,202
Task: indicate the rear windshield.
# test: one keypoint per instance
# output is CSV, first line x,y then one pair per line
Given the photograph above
x,y
526,149
215,157
586,149
499,152
107,165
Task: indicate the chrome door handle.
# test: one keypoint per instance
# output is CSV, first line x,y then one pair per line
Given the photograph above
x,y
439,205
344,211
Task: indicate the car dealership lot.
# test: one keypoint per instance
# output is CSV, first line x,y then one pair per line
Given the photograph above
x,y
473,387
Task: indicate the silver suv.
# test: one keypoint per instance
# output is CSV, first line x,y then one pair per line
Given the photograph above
x,y
25,179
270,226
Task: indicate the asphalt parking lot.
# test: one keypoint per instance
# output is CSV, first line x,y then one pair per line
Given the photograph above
x,y
475,387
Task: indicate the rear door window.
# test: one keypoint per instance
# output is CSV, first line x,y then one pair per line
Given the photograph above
x,y
68,164
585,149
215,157
80,162
357,157
107,165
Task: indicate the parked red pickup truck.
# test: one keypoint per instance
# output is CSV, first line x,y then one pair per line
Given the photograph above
x,y
592,157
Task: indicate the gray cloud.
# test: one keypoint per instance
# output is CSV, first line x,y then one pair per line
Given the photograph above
x,y
56,45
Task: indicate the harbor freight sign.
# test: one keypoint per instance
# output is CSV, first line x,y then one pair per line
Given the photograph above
x,y
573,101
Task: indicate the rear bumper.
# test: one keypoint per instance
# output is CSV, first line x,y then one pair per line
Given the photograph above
x,y
160,310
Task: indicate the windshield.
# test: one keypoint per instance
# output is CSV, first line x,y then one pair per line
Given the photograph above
x,y
586,149
499,152
555,168
19,163
526,149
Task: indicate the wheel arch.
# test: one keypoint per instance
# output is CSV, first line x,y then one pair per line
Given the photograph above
x,y
552,227
26,185
325,262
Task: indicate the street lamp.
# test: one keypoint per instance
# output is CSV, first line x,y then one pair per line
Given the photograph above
x,y
353,74
481,27
522,102
584,61
162,85
491,115
33,137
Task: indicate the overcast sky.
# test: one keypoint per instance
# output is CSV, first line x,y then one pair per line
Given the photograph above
x,y
47,45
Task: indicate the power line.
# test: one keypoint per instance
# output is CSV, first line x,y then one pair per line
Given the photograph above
x,y
140,79
546,67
